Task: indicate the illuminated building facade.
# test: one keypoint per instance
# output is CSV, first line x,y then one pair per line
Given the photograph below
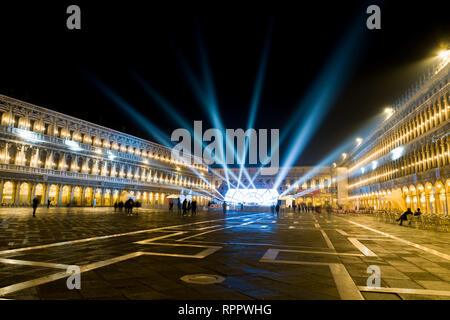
x,y
320,189
56,157
404,163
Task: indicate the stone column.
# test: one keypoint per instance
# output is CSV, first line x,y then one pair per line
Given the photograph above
x,y
447,203
83,189
427,203
102,197
71,195
1,191
33,191
58,202
17,193
46,187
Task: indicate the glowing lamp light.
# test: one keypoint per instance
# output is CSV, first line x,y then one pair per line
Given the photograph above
x,y
389,112
397,152
374,165
444,54
72,145
27,135
358,141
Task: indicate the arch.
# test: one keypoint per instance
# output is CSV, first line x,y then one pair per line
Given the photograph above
x,y
65,195
88,197
440,198
115,197
150,198
53,194
107,198
24,193
144,197
39,192
77,197
97,201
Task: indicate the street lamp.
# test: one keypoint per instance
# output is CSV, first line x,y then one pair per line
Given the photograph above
x,y
389,112
344,156
444,54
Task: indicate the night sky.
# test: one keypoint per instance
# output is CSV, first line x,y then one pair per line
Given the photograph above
x,y
44,63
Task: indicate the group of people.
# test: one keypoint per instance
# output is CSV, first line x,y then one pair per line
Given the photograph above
x,y
404,216
275,208
187,206
128,205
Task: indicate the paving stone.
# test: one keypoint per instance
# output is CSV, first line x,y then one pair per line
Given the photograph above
x,y
238,260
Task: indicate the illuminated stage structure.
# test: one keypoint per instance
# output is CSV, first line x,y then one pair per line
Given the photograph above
x,y
70,161
252,197
405,162
321,189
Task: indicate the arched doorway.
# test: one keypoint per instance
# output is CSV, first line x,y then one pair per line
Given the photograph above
x,y
8,193
88,197
98,197
39,193
65,196
77,196
24,193
107,197
53,194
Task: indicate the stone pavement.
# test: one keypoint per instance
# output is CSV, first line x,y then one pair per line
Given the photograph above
x,y
260,255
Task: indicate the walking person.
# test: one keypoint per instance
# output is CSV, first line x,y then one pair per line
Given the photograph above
x,y
48,203
404,216
35,205
277,209
224,207
179,206
417,213
115,206
120,206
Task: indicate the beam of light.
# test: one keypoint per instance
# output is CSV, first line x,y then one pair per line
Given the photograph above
x,y
167,107
320,98
139,118
205,103
256,98
326,162
364,130
207,99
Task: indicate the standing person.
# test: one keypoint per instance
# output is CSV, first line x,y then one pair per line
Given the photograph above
x,y
277,209
418,212
127,206
184,207
120,205
35,205
132,204
404,216
224,207
48,203
179,206
189,207
272,208
194,207
115,206
242,207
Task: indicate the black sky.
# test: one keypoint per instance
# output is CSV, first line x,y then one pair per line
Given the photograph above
x,y
42,62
